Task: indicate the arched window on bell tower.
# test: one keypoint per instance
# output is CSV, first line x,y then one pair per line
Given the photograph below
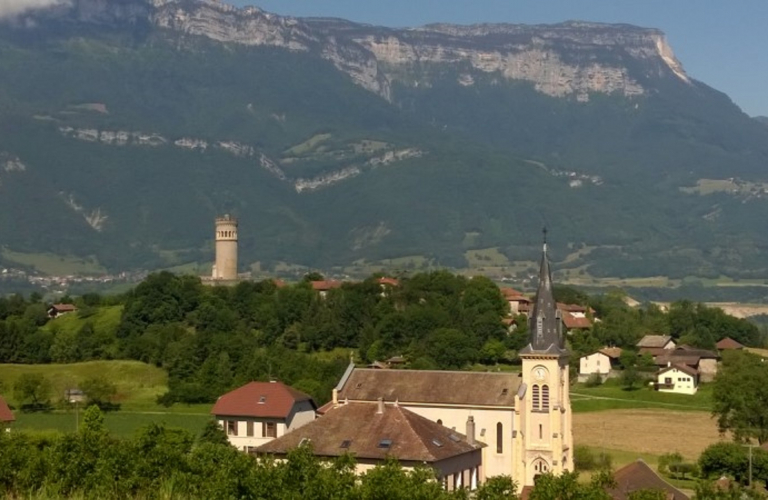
x,y
536,398
545,397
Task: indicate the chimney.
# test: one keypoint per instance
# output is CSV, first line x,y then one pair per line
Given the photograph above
x,y
471,430
381,406
335,397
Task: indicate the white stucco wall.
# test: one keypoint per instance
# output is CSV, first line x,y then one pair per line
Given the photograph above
x,y
683,382
594,363
302,413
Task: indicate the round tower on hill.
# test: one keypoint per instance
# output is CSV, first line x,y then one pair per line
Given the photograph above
x,y
225,267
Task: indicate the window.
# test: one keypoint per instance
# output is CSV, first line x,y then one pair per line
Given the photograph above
x,y
268,429
439,422
346,444
385,443
249,429
499,438
231,427
536,398
668,380
545,397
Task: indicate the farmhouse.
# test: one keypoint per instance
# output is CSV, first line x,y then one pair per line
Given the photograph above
x,y
373,431
678,379
601,362
650,343
727,344
258,412
6,415
57,310
324,286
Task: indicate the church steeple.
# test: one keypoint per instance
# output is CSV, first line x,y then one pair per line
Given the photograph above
x,y
545,325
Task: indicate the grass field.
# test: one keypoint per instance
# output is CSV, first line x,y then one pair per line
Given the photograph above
x,y
646,433
51,264
611,395
103,319
138,386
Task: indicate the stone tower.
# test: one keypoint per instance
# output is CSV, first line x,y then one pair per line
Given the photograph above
x,y
225,267
543,440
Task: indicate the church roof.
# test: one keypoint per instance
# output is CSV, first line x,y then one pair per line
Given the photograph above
x,y
431,387
364,431
545,326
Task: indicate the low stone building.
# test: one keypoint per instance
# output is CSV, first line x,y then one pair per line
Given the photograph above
x,y
259,412
371,432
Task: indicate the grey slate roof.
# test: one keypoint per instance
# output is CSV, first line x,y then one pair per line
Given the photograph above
x,y
545,325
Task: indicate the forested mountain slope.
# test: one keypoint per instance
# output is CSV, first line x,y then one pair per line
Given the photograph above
x,y
125,127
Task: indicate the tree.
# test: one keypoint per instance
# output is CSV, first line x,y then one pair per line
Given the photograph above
x,y
32,390
740,396
497,488
212,433
99,392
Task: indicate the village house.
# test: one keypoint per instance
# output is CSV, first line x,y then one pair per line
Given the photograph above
x,y
57,310
600,362
518,303
704,362
677,379
324,286
258,412
371,432
638,476
6,416
728,344
650,343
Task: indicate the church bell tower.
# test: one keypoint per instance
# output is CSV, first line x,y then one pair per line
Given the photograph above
x,y
542,436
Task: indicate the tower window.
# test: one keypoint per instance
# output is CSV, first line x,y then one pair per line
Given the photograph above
x,y
541,431
536,398
499,438
545,397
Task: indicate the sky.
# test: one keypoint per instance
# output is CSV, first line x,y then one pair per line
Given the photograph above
x,y
723,43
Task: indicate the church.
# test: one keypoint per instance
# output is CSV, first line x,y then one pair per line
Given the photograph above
x,y
475,425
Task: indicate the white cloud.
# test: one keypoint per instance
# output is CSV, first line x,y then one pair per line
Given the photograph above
x,y
10,8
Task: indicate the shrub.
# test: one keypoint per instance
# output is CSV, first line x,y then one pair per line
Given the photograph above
x,y
594,380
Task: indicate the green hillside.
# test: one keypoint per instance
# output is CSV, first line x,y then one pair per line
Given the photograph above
x,y
119,144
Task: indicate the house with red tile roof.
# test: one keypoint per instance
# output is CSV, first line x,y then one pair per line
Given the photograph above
x,y
728,344
639,476
373,431
57,310
6,415
258,412
324,286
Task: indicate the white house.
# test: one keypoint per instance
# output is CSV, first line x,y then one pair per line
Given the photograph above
x,y
678,379
600,362
258,412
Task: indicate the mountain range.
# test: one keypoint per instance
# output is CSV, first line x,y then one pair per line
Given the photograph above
x,y
126,126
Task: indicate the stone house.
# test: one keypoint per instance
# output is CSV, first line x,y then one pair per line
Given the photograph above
x,y
259,412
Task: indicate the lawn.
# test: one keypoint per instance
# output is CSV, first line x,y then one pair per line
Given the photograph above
x,y
138,385
103,319
611,395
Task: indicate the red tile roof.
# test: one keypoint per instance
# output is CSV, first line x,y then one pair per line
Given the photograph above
x,y
5,413
359,429
389,281
572,322
729,343
639,476
64,307
260,399
325,285
510,293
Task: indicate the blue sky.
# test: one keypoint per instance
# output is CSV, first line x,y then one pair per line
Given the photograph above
x,y
723,43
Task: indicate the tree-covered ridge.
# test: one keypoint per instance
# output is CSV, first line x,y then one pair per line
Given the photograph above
x,y
212,339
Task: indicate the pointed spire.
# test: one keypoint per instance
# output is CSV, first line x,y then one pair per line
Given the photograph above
x,y
545,325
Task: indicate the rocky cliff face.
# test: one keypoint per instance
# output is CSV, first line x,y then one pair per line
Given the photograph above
x,y
569,59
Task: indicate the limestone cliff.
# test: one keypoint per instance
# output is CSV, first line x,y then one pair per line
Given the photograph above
x,y
568,59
